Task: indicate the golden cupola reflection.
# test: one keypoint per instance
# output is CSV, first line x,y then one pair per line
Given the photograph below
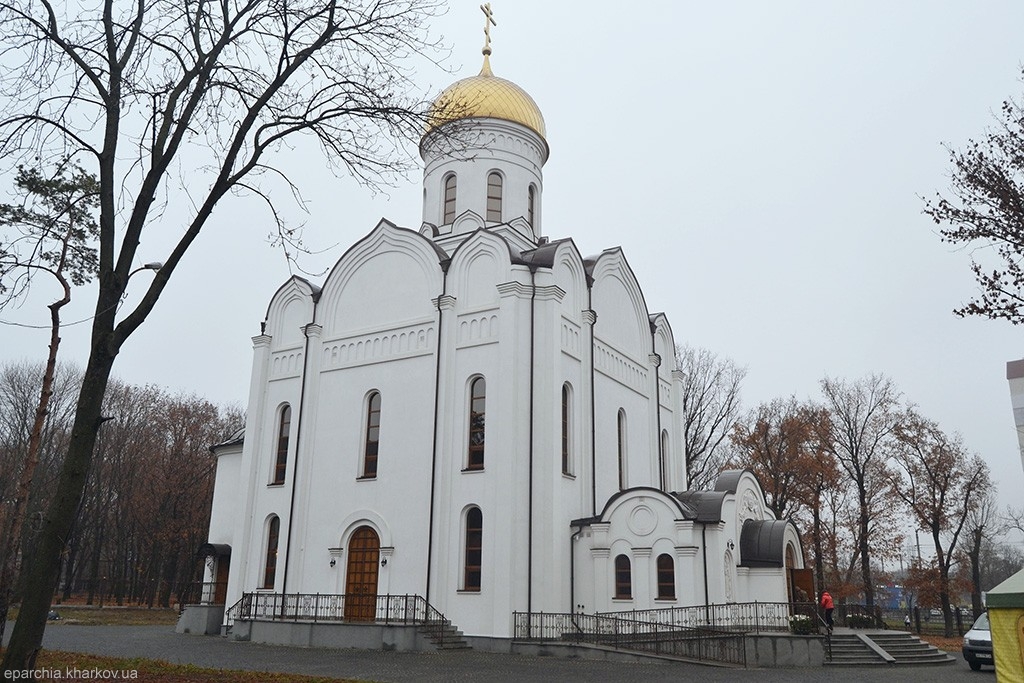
x,y
486,96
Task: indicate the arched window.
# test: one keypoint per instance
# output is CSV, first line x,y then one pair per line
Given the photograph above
x,y
477,408
621,442
284,429
665,478
666,578
566,429
449,199
531,200
372,436
494,197
474,549
270,566
623,578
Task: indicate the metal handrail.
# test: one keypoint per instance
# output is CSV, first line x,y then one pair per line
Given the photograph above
x,y
231,613
746,617
624,633
407,609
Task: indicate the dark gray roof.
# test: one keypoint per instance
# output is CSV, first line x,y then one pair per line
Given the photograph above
x,y
544,255
236,438
706,505
762,543
214,549
728,480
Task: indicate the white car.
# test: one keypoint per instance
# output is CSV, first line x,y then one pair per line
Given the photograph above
x,y
978,644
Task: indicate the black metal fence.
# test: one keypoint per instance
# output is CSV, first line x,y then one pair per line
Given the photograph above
x,y
387,609
406,610
625,633
746,617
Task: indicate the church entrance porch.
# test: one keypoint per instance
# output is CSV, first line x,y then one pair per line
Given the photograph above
x,y
402,622
361,576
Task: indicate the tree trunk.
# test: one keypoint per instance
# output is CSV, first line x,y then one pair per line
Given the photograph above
x,y
865,555
170,578
819,552
44,572
94,567
9,551
975,554
942,558
70,569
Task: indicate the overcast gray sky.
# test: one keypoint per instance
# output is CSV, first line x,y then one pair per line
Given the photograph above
x,y
761,164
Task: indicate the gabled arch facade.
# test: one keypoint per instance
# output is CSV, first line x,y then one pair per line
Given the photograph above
x,y
362,293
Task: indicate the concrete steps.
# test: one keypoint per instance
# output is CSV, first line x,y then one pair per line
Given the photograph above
x,y
884,648
908,649
849,650
445,636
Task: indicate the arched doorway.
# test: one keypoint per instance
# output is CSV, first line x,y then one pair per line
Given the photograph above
x,y
361,577
801,581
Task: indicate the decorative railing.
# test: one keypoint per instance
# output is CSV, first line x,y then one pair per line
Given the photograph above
x,y
324,607
232,612
746,617
625,633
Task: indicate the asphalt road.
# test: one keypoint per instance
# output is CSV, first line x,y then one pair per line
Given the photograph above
x,y
161,642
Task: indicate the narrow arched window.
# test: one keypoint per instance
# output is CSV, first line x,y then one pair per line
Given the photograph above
x,y
531,199
566,429
477,409
621,442
372,436
666,578
284,429
474,549
449,199
665,478
270,565
494,197
623,578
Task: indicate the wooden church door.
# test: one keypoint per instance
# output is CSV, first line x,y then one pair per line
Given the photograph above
x,y
361,578
220,587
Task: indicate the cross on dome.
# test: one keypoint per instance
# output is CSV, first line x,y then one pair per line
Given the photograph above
x,y
488,22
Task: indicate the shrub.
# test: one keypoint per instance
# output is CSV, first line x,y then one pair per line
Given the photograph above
x,y
860,621
801,624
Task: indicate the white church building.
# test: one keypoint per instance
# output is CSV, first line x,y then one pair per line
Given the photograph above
x,y
477,414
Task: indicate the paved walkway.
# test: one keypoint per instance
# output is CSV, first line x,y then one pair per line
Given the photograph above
x,y
161,642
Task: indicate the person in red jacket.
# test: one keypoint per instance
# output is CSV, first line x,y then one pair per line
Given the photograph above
x,y
828,606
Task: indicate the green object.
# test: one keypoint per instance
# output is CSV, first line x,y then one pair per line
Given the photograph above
x,y
1008,594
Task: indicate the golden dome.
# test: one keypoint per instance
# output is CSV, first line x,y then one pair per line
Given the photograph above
x,y
486,96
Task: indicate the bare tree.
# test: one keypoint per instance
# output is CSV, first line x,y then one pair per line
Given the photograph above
x,y
983,524
145,93
711,404
941,484
840,544
1015,518
999,561
986,213
862,418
